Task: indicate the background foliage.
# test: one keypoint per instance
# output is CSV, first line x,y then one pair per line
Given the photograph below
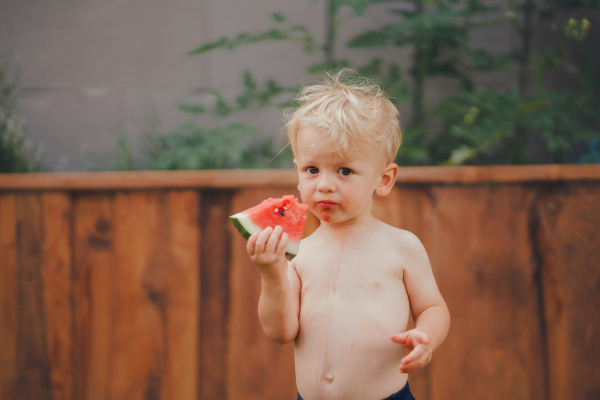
x,y
532,121
17,154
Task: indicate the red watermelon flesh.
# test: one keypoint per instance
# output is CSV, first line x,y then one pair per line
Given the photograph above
x,y
286,212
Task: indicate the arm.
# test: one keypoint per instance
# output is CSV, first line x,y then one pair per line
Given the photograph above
x,y
430,312
278,306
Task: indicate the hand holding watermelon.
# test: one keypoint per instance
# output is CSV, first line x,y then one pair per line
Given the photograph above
x,y
267,250
286,212
273,228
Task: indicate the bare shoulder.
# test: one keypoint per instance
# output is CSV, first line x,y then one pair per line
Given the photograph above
x,y
405,244
402,239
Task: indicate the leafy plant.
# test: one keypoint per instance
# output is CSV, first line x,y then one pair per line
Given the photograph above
x,y
593,154
191,146
437,29
490,127
477,126
494,127
17,154
438,32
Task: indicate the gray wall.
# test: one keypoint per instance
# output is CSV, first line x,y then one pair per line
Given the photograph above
x,y
92,70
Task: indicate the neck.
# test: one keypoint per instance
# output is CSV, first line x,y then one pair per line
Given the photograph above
x,y
351,226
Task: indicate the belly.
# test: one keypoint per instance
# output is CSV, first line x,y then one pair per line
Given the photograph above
x,y
343,347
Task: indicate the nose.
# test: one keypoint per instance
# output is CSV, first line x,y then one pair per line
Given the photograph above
x,y
326,183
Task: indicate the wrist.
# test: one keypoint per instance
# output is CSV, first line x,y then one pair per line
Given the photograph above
x,y
274,275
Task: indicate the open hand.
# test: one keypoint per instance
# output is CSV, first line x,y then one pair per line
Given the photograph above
x,y
420,351
267,249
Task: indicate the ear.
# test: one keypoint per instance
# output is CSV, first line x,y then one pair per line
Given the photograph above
x,y
388,179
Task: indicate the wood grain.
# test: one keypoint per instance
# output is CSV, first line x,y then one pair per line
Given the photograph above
x,y
216,294
484,270
94,278
56,271
33,365
182,274
233,179
568,239
108,291
8,296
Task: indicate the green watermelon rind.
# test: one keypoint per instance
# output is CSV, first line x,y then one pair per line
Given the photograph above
x,y
245,227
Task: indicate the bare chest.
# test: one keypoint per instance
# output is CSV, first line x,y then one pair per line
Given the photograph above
x,y
359,286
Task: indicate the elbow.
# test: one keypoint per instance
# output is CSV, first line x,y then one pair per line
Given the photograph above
x,y
282,341
282,337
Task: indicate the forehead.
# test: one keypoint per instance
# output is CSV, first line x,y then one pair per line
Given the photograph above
x,y
311,142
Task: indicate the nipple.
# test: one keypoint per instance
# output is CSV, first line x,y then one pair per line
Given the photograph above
x,y
329,377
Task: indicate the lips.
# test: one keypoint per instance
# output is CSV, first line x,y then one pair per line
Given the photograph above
x,y
326,204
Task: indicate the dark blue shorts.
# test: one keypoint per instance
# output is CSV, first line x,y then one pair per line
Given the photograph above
x,y
403,394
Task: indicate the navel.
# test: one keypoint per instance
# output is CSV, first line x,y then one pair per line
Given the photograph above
x,y
329,378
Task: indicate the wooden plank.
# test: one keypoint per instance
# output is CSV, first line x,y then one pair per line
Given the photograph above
x,y
216,294
56,271
125,180
568,239
179,217
285,177
498,173
483,257
258,368
139,300
133,313
32,367
156,296
94,277
8,296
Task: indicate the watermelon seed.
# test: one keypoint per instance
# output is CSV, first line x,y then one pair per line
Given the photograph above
x,y
276,210
281,213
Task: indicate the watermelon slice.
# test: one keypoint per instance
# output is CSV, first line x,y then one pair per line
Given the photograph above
x,y
286,212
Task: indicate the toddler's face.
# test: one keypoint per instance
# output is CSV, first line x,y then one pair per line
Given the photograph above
x,y
336,187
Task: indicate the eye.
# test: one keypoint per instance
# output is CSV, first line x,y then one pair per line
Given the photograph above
x,y
312,170
345,171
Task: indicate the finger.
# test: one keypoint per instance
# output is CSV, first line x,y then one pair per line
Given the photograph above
x,y
271,244
414,355
282,246
400,338
250,246
261,241
416,364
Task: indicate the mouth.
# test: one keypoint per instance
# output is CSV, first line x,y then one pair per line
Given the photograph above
x,y
326,204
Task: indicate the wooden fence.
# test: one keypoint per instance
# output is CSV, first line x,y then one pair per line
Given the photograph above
x,y
135,285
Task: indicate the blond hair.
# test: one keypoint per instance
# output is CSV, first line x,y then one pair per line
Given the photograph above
x,y
349,114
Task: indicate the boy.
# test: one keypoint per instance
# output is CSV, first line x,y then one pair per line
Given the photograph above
x,y
345,299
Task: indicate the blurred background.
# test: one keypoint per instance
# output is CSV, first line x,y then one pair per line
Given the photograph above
x,y
125,85
134,285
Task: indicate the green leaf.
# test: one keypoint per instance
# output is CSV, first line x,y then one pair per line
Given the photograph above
x,y
278,17
191,108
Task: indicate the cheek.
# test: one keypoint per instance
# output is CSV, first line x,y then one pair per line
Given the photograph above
x,y
304,190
